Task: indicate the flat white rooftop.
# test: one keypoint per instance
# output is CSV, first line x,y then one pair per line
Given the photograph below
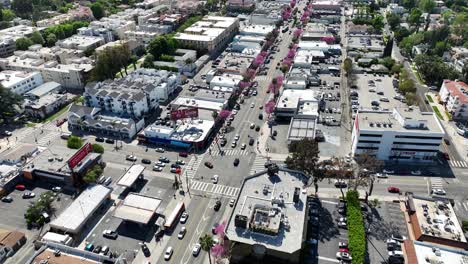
x,y
425,251
203,104
290,97
131,175
137,208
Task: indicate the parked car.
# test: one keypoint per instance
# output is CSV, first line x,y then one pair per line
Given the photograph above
x,y
110,234
164,159
99,139
343,244
388,171
438,191
232,202
89,247
97,249
108,181
7,199
381,175
146,161
160,150
110,141
57,189
416,172
251,141
392,189
145,250
340,184
343,256
157,168
398,237
20,187
180,162
29,195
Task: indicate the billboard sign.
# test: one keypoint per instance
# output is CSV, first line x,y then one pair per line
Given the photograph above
x,y
79,155
184,113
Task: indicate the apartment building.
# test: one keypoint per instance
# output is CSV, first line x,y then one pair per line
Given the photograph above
x,y
135,95
20,82
79,42
70,76
117,26
454,95
401,135
212,33
9,36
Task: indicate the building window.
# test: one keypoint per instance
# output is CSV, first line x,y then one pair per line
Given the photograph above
x,y
416,144
420,137
369,135
416,150
368,141
375,148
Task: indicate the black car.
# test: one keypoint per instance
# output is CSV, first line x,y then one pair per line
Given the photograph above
x,y
175,166
146,161
217,205
260,116
236,162
223,142
97,249
99,139
7,199
251,141
145,250
110,234
164,159
209,164
110,141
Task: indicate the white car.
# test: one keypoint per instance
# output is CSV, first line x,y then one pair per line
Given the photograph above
x,y
232,202
243,146
343,256
184,217
130,158
388,171
160,150
168,253
236,138
234,112
439,191
252,125
157,168
381,175
161,164
392,241
396,253
182,232
215,179
417,172
252,105
196,250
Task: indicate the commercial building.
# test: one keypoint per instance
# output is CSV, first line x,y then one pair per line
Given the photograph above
x,y
129,178
103,33
240,6
402,135
435,221
18,154
116,25
269,219
327,5
56,53
7,46
181,57
185,133
367,46
134,95
43,90
46,105
9,176
212,33
189,102
91,120
287,105
137,208
11,241
454,96
266,13
59,164
68,255
20,82
75,216
70,76
232,63
421,253
256,30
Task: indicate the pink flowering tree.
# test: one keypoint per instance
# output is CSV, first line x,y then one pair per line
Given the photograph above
x,y
217,251
292,4
328,39
243,85
224,114
297,33
270,106
291,53
264,54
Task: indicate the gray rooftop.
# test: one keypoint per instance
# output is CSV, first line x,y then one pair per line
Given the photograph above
x,y
44,89
273,219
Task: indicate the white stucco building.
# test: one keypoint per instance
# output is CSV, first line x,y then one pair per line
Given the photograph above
x,y
20,82
454,94
402,134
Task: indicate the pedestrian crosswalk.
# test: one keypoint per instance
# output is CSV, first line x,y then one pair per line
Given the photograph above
x,y
437,183
213,188
258,164
461,205
458,164
263,78
192,166
24,133
47,137
230,152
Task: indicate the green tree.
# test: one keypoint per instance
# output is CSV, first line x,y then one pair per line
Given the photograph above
x,y
434,70
51,39
148,62
411,98
134,60
22,7
409,4
37,38
459,26
98,148
393,20
206,243
440,48
8,15
427,5
414,19
23,43
368,165
111,61
98,10
378,22
400,33
304,156
10,102
162,45
356,232
348,65
74,142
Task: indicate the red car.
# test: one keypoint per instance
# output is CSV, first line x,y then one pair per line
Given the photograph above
x,y
446,156
393,190
344,250
183,154
20,187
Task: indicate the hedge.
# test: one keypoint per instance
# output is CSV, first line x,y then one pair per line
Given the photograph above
x,y
436,110
356,233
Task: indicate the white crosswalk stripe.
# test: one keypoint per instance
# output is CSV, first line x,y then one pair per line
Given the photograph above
x,y
461,205
458,164
217,189
230,152
437,183
258,164
192,166
24,133
48,137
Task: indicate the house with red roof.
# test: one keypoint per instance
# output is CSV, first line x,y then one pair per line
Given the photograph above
x,y
454,95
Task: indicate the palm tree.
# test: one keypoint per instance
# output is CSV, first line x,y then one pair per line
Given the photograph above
x,y
207,242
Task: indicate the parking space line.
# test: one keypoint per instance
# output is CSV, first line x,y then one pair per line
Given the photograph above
x,y
328,259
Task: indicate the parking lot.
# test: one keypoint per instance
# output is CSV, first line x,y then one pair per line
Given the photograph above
x,y
381,223
12,214
130,234
376,92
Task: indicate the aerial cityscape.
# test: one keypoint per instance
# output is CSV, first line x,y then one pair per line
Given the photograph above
x,y
234,131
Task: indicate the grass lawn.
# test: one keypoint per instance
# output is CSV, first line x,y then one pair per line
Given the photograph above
x,y
52,117
436,110
448,115
416,73
30,124
429,98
